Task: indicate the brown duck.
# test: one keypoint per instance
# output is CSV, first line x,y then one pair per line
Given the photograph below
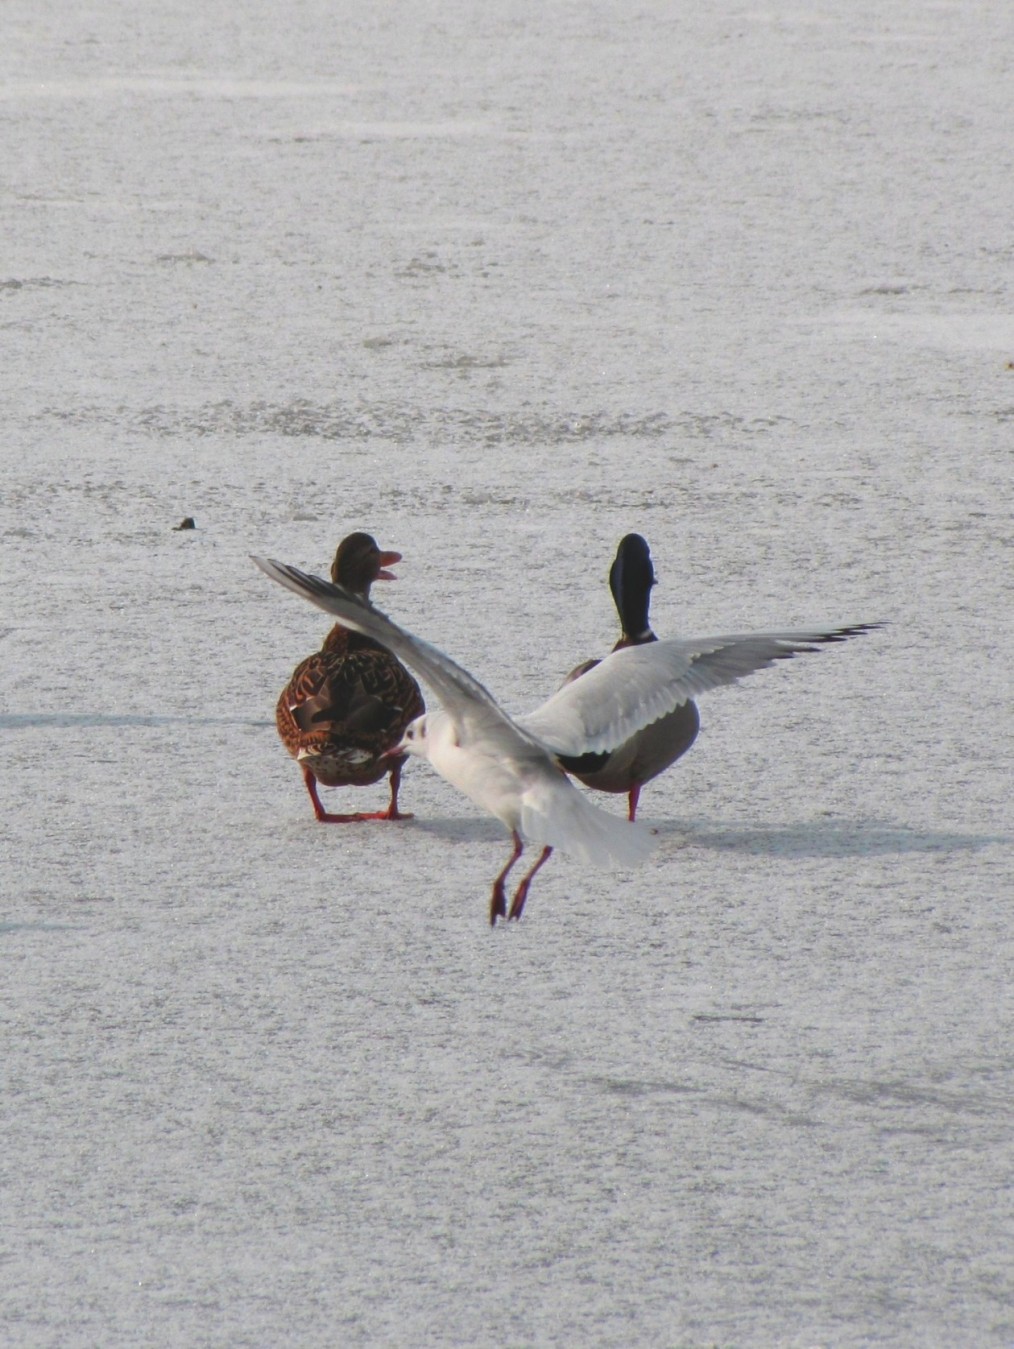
x,y
654,748
350,702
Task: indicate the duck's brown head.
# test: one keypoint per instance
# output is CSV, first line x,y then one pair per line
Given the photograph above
x,y
359,562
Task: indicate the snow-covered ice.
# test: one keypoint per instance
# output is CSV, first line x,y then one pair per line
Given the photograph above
x,y
500,284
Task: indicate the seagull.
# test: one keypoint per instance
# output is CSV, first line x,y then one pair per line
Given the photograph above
x,y
655,748
510,766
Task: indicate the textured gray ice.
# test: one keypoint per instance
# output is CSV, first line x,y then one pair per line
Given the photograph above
x,y
501,283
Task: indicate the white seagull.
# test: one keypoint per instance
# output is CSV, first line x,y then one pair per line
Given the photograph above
x,y
510,765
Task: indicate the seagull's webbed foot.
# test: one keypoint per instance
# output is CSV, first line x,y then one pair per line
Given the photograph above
x,y
521,893
497,903
498,900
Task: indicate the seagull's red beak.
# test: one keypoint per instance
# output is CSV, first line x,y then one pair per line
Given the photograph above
x,y
388,560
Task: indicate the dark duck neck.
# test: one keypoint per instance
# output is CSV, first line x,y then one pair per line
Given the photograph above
x,y
631,578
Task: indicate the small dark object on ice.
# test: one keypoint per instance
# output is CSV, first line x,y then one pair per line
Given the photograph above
x,y
188,522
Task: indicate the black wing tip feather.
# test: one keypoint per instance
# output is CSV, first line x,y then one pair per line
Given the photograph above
x,y
853,630
808,645
305,581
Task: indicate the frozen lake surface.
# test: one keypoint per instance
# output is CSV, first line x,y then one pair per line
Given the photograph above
x,y
500,284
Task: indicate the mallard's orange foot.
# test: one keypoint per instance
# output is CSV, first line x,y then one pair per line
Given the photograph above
x,y
383,815
327,818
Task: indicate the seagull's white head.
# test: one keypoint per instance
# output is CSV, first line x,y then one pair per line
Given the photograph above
x,y
415,740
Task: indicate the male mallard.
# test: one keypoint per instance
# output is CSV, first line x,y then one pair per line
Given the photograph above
x,y
348,704
651,751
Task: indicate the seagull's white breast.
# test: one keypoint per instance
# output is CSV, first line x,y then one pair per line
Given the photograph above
x,y
479,769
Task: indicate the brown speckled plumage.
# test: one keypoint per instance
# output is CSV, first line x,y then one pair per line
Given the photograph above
x,y
349,703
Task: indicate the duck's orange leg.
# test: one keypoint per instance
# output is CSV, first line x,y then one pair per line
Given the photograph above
x,y
392,812
498,901
632,796
324,816
521,894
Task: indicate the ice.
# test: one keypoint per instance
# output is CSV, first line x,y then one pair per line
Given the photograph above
x,y
501,284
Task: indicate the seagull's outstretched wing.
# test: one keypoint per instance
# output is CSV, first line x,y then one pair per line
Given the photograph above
x,y
463,697
635,686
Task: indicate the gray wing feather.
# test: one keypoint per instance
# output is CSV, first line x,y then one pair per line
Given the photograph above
x,y
463,697
637,685
627,691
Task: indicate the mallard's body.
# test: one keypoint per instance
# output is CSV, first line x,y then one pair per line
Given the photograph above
x,y
349,703
655,748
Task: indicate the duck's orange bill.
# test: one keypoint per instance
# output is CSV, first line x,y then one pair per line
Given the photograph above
x,y
388,560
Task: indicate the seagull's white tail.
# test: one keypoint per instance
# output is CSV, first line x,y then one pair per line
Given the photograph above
x,y
570,822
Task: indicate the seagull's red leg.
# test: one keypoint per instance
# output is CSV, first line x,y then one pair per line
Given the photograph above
x,y
521,894
498,902
632,796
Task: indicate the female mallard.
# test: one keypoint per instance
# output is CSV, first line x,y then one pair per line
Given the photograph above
x,y
348,704
651,751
